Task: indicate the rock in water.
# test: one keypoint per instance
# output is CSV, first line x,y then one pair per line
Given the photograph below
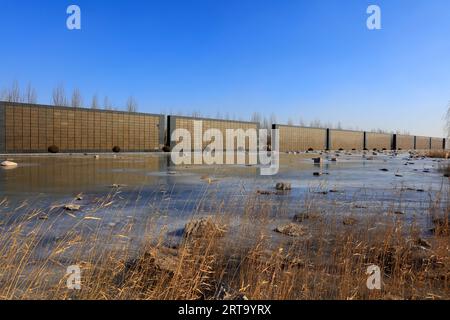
x,y
292,230
203,227
318,160
72,207
349,221
423,243
282,186
8,164
300,217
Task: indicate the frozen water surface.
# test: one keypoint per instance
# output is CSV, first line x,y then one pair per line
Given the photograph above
x,y
117,191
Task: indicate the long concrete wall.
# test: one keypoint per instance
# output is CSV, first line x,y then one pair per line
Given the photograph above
x,y
293,138
437,144
404,142
347,140
33,128
422,143
187,123
379,141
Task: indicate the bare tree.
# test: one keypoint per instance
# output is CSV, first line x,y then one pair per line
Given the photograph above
x,y
77,100
290,122
196,114
256,117
272,120
13,94
107,104
3,95
301,122
447,121
59,96
316,123
328,125
266,124
94,102
131,104
30,94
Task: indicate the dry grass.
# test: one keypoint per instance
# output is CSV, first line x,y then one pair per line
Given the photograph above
x,y
221,259
437,154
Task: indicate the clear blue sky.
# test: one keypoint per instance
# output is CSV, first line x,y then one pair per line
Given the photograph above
x,y
309,59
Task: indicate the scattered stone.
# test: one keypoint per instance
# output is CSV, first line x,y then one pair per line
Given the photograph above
x,y
399,212
420,257
72,207
420,190
203,227
398,175
116,186
43,217
423,243
333,159
96,156
282,186
349,221
224,292
300,217
317,174
318,160
441,226
442,222
116,149
384,169
152,264
53,149
8,164
263,192
413,256
79,197
291,229
446,175
392,297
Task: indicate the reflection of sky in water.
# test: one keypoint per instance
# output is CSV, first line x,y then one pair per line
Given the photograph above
x,y
57,177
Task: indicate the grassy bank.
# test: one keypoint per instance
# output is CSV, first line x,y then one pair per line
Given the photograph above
x,y
321,255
